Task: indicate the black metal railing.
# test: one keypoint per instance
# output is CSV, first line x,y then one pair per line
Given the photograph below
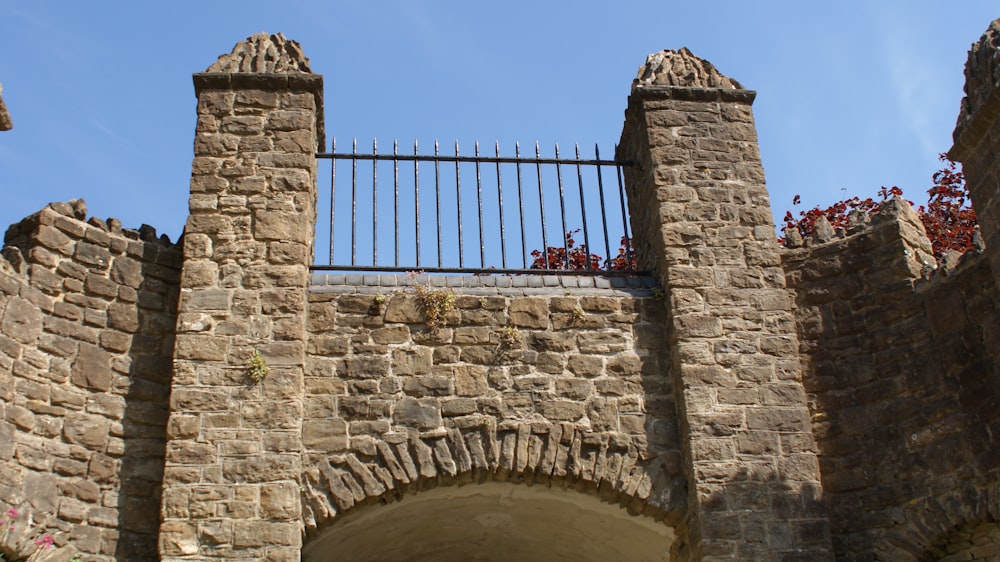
x,y
502,224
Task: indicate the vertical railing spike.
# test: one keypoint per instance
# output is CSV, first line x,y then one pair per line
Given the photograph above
x,y
604,215
458,193
354,203
416,200
437,198
541,205
395,199
333,185
520,205
622,203
503,231
479,206
562,210
583,211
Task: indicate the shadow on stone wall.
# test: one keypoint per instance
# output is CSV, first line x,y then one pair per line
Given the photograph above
x,y
904,389
144,419
87,315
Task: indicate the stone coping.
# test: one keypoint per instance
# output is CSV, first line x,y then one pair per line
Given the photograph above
x,y
504,285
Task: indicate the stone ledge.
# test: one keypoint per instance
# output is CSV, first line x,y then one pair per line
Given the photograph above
x,y
692,94
520,285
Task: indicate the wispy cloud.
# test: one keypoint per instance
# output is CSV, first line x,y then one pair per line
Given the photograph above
x,y
918,80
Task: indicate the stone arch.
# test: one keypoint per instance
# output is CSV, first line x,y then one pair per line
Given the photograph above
x,y
612,467
493,521
935,524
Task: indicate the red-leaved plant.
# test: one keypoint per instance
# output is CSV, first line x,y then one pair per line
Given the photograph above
x,y
577,258
948,217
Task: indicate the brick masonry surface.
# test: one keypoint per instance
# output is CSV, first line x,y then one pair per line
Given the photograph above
x,y
87,314
833,400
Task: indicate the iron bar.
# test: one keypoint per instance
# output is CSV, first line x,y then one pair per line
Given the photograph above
x,y
437,197
395,198
354,205
333,185
473,159
520,206
562,209
479,205
503,232
416,200
458,193
622,204
489,271
374,204
604,214
541,206
583,209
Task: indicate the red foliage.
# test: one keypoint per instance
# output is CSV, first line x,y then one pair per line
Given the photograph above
x,y
575,257
625,260
948,217
839,213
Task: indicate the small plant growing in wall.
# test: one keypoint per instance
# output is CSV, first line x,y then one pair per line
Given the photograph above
x,y
257,366
509,338
578,314
436,304
508,341
380,302
39,543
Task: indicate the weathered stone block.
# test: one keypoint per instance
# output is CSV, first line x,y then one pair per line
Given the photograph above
x,y
421,386
198,347
419,413
87,430
417,361
529,313
92,368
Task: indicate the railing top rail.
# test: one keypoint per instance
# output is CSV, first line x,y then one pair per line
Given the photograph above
x,y
473,159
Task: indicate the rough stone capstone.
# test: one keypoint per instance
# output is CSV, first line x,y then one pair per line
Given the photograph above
x,y
263,53
682,69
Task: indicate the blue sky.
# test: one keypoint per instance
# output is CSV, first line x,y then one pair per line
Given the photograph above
x,y
851,95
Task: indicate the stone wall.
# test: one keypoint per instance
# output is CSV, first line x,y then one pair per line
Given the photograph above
x,y
86,321
702,221
529,380
902,377
837,400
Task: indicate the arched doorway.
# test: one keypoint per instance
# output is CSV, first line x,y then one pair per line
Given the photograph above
x,y
493,521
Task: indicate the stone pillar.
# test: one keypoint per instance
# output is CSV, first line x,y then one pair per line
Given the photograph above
x,y
702,220
231,484
977,137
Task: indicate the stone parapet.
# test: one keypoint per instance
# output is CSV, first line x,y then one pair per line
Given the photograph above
x,y
87,311
900,363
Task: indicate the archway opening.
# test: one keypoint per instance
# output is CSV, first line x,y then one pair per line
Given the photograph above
x,y
492,522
